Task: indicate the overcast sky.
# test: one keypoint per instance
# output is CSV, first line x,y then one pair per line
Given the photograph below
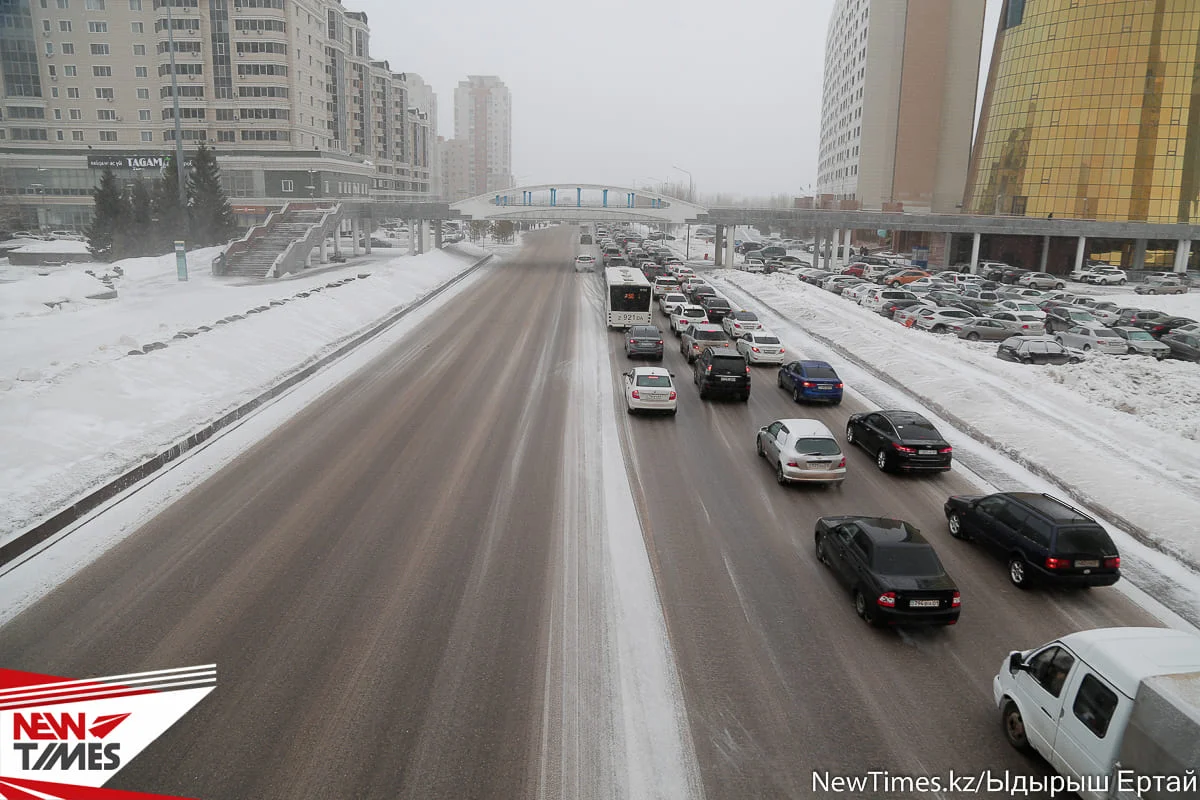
x,y
626,90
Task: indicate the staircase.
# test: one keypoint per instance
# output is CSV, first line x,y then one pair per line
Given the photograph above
x,y
255,255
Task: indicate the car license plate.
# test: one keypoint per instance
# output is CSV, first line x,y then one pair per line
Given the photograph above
x,y
927,452
923,603
821,465
728,378
825,386
1082,564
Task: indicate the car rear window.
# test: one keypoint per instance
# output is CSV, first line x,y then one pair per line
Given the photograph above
x,y
820,372
710,336
694,312
716,302
1087,539
917,429
744,316
818,447
766,339
660,381
909,559
729,362
644,332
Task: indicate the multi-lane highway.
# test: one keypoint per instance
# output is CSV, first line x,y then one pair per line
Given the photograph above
x,y
422,587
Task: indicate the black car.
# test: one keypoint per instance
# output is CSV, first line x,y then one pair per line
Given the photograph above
x,y
1184,346
1061,318
1161,327
890,308
900,440
1013,274
722,372
699,292
1041,537
644,341
717,308
1035,350
894,573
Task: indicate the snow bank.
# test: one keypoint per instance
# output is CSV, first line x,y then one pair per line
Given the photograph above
x,y
1181,305
1110,427
57,246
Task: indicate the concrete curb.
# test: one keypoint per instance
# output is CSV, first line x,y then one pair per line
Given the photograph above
x,y
48,527
1078,495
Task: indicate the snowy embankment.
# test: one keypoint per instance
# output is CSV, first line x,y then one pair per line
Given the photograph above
x,y
76,407
1121,431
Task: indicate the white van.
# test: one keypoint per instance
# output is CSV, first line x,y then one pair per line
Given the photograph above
x,y
1109,709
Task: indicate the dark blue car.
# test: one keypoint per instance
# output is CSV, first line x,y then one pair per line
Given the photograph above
x,y
811,380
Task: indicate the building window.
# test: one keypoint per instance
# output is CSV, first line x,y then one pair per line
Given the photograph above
x,y
53,74
68,49
58,136
70,71
144,115
75,113
64,4
286,186
64,25
1016,13
50,48
97,27
76,136
147,136
225,136
143,94
140,72
137,27
106,115
46,24
135,5
108,136
104,94
100,49
94,5
101,72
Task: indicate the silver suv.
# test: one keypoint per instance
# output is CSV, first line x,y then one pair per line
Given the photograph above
x,y
697,337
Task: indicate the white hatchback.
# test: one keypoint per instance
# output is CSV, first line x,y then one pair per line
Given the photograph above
x,y
761,347
802,451
650,389
686,315
585,263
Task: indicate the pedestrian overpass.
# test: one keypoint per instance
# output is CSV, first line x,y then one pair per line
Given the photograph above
x,y
580,202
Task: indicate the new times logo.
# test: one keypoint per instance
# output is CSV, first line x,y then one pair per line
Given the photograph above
x,y
64,738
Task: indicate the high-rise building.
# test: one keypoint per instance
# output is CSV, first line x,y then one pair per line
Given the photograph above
x,y
483,119
456,170
285,90
898,103
1091,112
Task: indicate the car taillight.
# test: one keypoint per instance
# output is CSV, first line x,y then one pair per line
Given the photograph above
x,y
841,463
904,449
755,349
837,386
633,341
782,351
887,600
1025,327
945,450
708,368
808,384
660,341
957,601
673,395
793,464
747,369
1112,563
1057,563
695,345
635,395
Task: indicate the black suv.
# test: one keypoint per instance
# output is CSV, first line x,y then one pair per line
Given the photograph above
x,y
1042,538
721,371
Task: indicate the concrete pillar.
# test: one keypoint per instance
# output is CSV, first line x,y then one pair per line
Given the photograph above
x,y
1183,254
337,239
355,229
948,252
847,256
828,264
1080,252
975,253
718,245
325,248
837,245
308,258
437,234
422,239
729,247
367,238
1139,254
1045,253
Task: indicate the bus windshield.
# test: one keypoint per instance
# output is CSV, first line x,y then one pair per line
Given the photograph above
x,y
630,298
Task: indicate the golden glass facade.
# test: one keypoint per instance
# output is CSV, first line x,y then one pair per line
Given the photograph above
x,y
1092,111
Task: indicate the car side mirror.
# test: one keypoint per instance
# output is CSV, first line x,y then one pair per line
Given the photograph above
x,y
1015,662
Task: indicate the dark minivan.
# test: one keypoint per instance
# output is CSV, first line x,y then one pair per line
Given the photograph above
x,y
1042,538
644,341
722,372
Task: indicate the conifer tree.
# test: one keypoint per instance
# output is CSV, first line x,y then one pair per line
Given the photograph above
x,y
170,220
212,216
141,236
109,217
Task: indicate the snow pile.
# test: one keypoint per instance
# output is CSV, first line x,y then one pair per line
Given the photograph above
x,y
1180,305
1109,428
57,246
76,408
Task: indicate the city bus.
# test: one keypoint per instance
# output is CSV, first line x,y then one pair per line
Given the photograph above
x,y
627,297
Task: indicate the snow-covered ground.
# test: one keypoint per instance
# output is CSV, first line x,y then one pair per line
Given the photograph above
x,y
76,407
1122,431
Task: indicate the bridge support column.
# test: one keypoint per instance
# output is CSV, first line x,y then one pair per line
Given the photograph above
x,y
1080,252
308,259
729,244
367,237
846,255
718,242
837,248
437,234
975,253
337,239
1045,259
826,250
1183,254
1139,254
421,240
412,237
325,248
355,229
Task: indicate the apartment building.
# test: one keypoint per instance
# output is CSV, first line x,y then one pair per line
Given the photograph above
x,y
285,90
483,119
898,102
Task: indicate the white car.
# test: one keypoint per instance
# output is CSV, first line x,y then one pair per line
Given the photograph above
x,y
1041,280
664,285
650,389
668,302
875,298
1107,312
755,265
585,263
1020,323
1087,337
943,320
856,292
739,323
1106,276
686,315
1020,307
802,451
761,347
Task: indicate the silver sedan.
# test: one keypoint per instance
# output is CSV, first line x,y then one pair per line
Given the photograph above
x,y
984,329
1089,337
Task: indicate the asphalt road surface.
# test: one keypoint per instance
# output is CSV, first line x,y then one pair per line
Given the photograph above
x,y
388,592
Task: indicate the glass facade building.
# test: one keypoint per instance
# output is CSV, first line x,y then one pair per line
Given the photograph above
x,y
1092,111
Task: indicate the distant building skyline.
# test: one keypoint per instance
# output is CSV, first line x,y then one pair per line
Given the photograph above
x,y
483,119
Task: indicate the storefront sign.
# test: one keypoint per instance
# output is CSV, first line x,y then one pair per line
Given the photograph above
x,y
249,209
131,162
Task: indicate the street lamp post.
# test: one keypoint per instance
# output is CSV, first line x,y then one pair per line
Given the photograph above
x,y
691,184
175,105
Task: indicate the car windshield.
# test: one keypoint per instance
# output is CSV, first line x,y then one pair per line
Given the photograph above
x,y
906,559
660,381
821,373
709,336
1080,315
766,340
1027,318
1137,335
1084,539
818,447
716,302
1026,306
953,312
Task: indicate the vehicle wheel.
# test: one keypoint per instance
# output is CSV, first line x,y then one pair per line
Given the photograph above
x,y
746,397
779,476
795,395
1087,347
1014,727
703,394
837,402
863,607
849,434
1058,339
1018,572
882,461
779,379
955,522
674,411
939,328
758,446
973,337
1121,282
1060,285
821,556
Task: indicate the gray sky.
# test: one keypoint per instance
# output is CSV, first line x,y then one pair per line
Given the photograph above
x,y
625,90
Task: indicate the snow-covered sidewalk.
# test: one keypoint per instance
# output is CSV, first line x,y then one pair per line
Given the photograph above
x,y
1121,431
77,408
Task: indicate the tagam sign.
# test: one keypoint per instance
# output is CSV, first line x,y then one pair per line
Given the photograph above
x,y
130,162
